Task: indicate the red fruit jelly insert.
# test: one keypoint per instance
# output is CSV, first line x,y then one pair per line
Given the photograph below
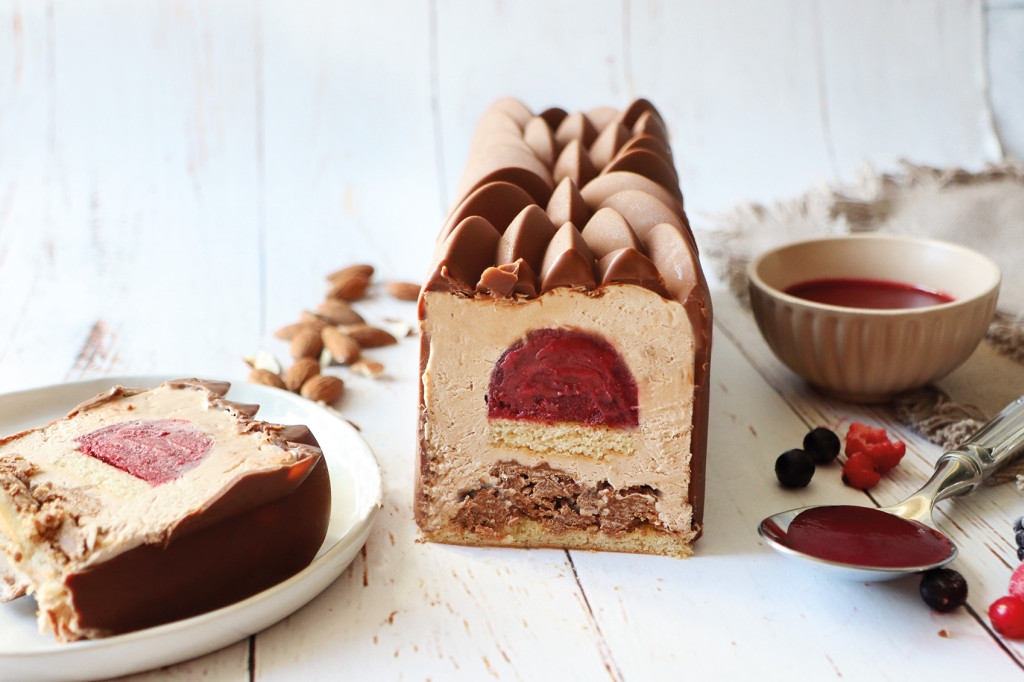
x,y
566,376
876,294
155,450
863,536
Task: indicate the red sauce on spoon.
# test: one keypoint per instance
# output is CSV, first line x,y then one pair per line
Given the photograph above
x,y
863,536
877,294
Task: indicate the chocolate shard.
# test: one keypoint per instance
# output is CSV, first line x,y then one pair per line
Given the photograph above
x,y
567,205
609,183
510,278
607,144
651,124
608,231
643,212
494,125
629,266
553,116
568,261
498,203
463,256
650,165
247,410
575,126
526,238
636,109
601,117
538,136
574,163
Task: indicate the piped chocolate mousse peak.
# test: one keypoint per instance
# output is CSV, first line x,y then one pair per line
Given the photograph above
x,y
607,173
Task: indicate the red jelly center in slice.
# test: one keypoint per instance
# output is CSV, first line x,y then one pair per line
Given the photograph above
x,y
155,450
565,376
863,536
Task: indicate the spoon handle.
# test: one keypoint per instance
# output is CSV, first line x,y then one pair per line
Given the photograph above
x,y
999,441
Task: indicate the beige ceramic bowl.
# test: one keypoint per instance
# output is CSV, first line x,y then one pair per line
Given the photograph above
x,y
867,355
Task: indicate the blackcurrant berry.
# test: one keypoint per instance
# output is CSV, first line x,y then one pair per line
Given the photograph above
x,y
822,445
1018,525
943,589
794,468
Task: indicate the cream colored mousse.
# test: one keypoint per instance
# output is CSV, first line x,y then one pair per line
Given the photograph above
x,y
463,446
62,511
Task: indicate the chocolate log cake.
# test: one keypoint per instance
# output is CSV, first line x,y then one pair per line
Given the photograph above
x,y
145,506
566,336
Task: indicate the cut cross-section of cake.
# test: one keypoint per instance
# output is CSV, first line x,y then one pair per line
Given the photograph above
x,y
565,341
145,506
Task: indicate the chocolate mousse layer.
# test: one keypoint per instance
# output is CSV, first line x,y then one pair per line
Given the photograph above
x,y
566,274
145,506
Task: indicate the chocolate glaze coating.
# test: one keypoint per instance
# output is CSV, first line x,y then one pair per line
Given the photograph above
x,y
204,567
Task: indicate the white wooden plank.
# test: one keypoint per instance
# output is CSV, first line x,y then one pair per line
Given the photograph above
x,y
891,67
739,87
1004,22
737,601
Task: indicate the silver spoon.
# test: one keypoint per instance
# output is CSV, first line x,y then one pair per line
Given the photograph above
x,y
958,472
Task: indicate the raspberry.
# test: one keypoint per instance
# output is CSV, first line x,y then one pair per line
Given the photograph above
x,y
822,445
874,443
1017,582
794,468
943,589
859,472
1007,616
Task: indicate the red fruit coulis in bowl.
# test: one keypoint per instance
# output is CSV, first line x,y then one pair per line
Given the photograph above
x,y
863,536
875,294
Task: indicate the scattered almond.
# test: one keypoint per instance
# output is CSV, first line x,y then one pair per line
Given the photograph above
x,y
306,344
367,368
342,347
264,359
323,388
335,311
288,332
265,377
351,287
404,291
302,371
368,336
360,269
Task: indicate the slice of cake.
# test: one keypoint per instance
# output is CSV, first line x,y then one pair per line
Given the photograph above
x,y
145,506
566,337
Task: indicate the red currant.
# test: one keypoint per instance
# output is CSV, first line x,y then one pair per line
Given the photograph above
x,y
1007,616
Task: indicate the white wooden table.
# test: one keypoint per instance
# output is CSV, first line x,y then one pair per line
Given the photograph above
x,y
176,178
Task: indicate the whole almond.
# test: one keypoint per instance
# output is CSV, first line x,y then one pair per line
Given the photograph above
x,y
335,311
288,332
368,368
342,347
350,287
323,388
265,377
306,344
302,371
368,336
404,291
359,269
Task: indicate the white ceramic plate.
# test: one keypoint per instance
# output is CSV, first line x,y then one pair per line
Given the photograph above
x,y
356,491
